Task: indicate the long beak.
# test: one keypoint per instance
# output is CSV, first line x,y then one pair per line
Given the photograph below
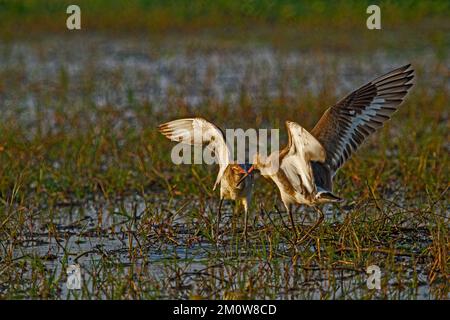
x,y
245,176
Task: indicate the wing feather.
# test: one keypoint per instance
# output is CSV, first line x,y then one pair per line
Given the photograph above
x,y
198,131
345,126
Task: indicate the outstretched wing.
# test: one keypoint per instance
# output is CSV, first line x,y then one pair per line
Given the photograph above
x,y
344,126
295,159
199,131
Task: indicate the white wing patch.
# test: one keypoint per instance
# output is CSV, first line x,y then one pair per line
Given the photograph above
x,y
296,164
199,131
304,142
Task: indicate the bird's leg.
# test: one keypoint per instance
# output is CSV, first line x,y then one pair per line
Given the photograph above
x,y
321,217
245,204
284,225
291,218
318,222
218,218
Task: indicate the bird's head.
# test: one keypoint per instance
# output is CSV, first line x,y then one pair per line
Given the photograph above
x,y
242,171
266,166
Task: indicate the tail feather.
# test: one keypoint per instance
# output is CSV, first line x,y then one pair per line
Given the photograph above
x,y
327,196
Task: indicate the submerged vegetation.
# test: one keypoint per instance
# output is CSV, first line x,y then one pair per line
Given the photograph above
x,y
86,178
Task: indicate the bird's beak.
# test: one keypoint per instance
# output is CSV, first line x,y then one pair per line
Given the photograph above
x,y
245,176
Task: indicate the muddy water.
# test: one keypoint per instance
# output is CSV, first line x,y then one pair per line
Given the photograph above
x,y
114,241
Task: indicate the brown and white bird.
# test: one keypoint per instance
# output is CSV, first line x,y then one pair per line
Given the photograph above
x,y
198,131
303,171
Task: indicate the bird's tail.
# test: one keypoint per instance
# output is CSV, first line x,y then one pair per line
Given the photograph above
x,y
323,196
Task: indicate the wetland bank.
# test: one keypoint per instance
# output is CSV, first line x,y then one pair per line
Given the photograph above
x,y
87,179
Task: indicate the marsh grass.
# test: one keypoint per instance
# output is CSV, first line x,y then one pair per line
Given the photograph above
x,y
157,16
86,178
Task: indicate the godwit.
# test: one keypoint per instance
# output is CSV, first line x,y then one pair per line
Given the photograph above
x,y
303,171
200,131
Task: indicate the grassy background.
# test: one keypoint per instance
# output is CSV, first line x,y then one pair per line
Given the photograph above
x,y
183,15
300,24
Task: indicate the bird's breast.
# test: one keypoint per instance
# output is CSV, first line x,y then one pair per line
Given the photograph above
x,y
290,193
229,190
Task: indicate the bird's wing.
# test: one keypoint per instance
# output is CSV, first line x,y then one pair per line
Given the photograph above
x,y
295,159
344,126
199,131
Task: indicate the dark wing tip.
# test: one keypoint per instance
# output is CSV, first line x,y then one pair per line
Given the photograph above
x,y
401,69
405,68
410,73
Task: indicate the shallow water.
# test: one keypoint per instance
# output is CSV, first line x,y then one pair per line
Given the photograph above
x,y
187,265
123,71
